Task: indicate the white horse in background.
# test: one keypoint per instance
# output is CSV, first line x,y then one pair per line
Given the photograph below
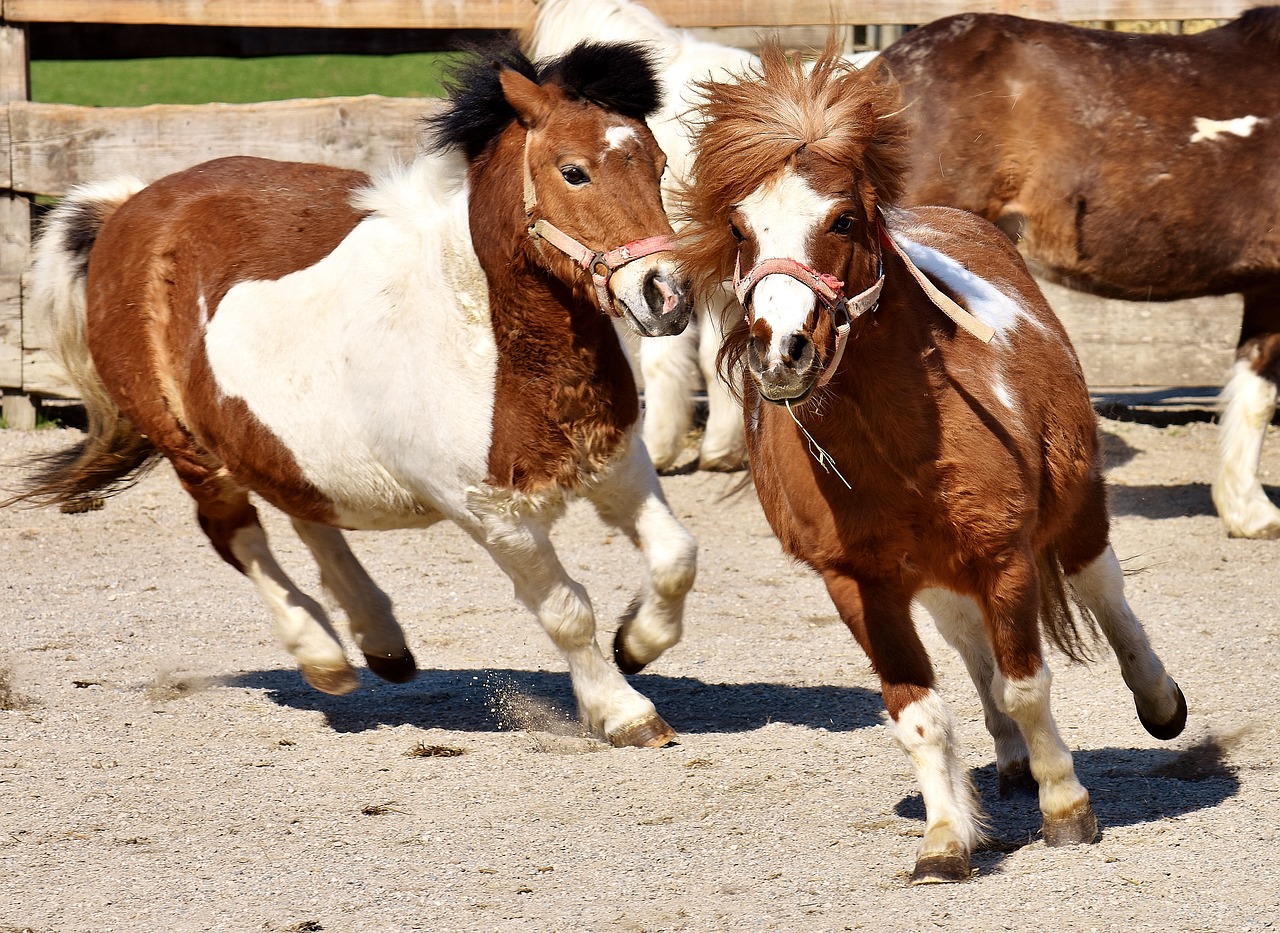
x,y
673,367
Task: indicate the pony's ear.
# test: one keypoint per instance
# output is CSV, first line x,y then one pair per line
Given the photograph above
x,y
529,100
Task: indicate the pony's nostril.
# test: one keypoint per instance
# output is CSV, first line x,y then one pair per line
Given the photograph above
x,y
659,294
793,347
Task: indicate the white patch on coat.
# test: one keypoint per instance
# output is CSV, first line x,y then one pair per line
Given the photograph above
x,y
619,136
782,216
376,366
1210,130
984,300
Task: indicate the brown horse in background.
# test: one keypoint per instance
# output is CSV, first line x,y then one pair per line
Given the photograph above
x,y
1142,167
897,452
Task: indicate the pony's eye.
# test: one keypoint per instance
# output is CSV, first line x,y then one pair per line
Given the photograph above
x,y
843,225
574,175
737,234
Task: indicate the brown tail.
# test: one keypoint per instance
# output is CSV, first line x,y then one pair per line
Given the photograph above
x,y
114,454
1074,639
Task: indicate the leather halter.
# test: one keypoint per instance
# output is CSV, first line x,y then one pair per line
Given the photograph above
x,y
602,264
830,294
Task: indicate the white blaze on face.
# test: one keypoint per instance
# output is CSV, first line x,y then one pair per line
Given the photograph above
x,y
781,217
1208,130
619,136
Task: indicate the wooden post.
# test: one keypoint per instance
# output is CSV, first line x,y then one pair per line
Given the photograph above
x,y
15,239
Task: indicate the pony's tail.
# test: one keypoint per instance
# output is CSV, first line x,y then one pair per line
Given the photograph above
x,y
113,453
1074,639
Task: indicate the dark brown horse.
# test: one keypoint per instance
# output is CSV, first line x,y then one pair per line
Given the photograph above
x,y
918,429
1144,167
434,345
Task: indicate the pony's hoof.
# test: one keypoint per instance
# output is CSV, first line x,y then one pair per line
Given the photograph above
x,y
334,680
1078,827
1017,779
395,668
621,657
728,463
652,732
1174,726
942,868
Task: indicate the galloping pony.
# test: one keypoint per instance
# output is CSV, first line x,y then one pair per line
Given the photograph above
x,y
1142,167
918,428
435,344
674,367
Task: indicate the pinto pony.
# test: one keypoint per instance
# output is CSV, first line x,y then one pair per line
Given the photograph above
x,y
434,345
1142,167
918,429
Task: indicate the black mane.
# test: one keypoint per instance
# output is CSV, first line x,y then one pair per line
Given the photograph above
x,y
618,76
1261,25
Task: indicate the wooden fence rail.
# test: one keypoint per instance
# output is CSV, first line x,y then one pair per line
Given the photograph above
x,y
47,148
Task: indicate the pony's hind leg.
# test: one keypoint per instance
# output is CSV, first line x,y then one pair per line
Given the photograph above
x,y
630,498
607,704
373,624
232,526
960,622
1099,585
724,446
922,726
670,369
1248,404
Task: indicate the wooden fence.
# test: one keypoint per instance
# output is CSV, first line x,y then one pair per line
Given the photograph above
x,y
47,148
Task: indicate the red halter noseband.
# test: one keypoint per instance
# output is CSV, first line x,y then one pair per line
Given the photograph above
x,y
602,264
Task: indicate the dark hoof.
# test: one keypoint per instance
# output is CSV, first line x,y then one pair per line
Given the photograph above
x,y
647,733
626,663
398,668
941,869
1017,779
1079,827
1174,726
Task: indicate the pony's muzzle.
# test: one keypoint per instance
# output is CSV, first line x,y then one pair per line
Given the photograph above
x,y
654,297
783,366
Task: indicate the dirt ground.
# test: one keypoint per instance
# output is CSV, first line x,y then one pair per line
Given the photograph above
x,y
164,768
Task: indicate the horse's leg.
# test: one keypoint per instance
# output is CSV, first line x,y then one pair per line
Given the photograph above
x,y
629,497
724,447
669,366
1020,686
231,523
922,725
373,625
1094,574
608,705
959,620
1248,404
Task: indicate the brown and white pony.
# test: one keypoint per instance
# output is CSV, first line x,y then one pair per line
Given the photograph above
x,y
918,428
1144,167
433,345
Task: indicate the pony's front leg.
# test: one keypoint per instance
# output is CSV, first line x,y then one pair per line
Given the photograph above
x,y
1020,686
669,366
373,625
960,622
607,704
881,621
629,497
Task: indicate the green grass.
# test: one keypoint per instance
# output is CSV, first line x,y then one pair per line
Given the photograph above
x,y
134,82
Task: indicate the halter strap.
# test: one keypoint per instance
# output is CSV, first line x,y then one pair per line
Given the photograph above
x,y
601,264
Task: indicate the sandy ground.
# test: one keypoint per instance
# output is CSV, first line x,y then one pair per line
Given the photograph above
x,y
164,768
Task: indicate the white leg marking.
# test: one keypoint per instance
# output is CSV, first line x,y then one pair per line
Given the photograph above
x,y
607,704
723,444
959,620
952,815
1027,701
368,608
1248,403
630,498
1100,586
670,369
301,623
